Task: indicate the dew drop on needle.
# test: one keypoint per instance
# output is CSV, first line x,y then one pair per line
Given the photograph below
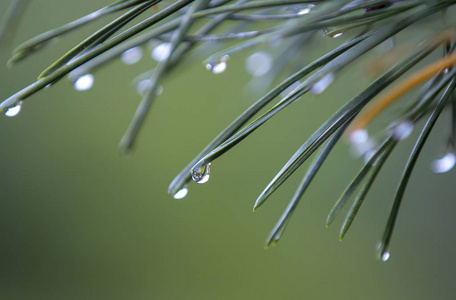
x,y
14,111
181,193
84,83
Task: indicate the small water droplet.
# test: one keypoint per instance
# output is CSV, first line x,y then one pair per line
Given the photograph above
x,y
361,144
444,164
161,52
84,83
385,256
402,130
132,56
258,63
322,84
181,193
14,111
216,68
337,35
201,172
219,66
305,10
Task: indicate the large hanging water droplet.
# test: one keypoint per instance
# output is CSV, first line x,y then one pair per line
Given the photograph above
x,y
14,111
402,130
201,172
385,256
444,164
132,56
181,193
84,82
161,52
258,63
322,84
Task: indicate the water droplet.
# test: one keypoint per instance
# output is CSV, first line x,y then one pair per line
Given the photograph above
x,y
359,136
322,84
258,63
361,144
303,11
402,130
306,10
216,68
219,66
161,52
132,56
181,193
337,35
444,164
14,111
201,172
84,83
385,256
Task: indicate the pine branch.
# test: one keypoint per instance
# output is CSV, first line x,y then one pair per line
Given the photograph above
x,y
234,27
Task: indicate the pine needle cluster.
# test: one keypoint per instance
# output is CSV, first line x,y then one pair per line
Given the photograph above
x,y
227,27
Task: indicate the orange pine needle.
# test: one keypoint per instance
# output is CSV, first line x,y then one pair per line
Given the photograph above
x,y
406,85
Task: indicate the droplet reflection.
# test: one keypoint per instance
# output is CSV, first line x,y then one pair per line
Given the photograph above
x,y
201,173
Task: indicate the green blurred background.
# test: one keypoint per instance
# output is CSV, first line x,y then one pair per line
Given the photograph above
x,y
78,221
